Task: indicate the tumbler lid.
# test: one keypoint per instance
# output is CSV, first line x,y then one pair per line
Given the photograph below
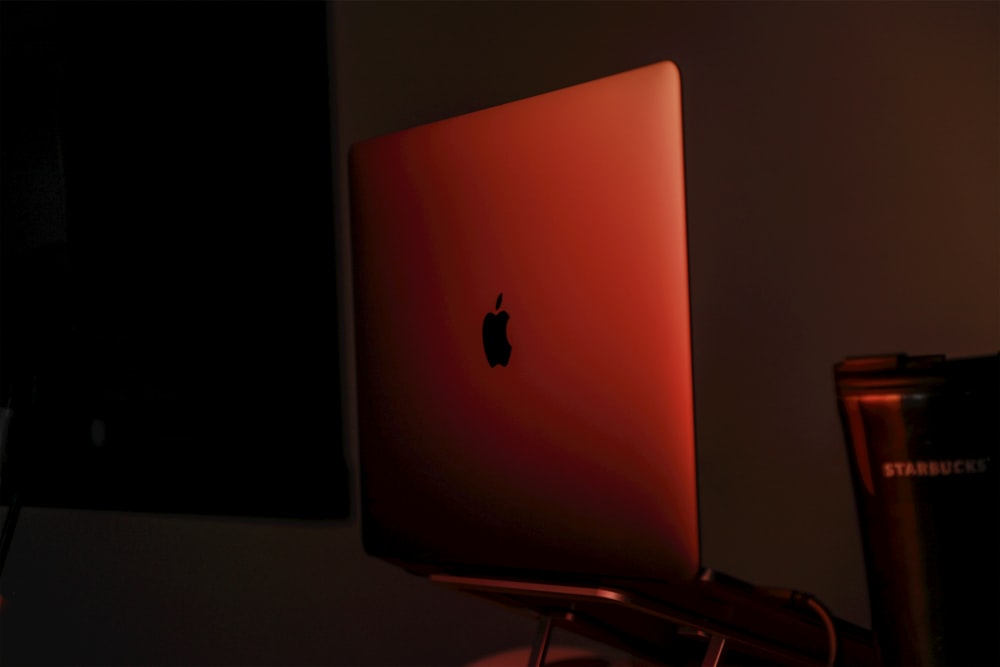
x,y
902,372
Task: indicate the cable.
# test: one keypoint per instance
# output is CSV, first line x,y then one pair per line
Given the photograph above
x,y
7,535
6,414
799,598
10,521
831,630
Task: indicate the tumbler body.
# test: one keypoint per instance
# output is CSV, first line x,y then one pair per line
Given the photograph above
x,y
922,437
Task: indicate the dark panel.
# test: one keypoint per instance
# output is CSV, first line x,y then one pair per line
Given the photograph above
x,y
169,299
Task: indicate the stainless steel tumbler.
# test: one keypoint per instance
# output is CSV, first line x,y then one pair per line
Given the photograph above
x,y
922,436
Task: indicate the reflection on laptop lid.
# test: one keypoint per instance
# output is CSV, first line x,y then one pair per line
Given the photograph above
x,y
523,342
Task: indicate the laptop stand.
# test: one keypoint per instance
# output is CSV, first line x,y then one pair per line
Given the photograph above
x,y
540,646
754,631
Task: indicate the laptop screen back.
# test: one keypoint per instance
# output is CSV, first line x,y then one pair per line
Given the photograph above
x,y
523,337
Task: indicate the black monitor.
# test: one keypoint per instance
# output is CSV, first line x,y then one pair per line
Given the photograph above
x,y
169,336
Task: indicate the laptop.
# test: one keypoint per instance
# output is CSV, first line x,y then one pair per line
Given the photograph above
x,y
524,367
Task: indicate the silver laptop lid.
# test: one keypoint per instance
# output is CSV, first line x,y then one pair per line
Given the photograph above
x,y
523,336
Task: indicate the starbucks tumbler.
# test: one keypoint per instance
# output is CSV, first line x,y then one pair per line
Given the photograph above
x,y
922,437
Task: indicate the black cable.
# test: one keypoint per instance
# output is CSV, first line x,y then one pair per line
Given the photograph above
x,y
10,522
831,629
815,605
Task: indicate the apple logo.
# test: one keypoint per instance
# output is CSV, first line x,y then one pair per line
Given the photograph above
x,y
495,341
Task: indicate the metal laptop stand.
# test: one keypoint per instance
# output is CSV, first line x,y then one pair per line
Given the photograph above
x,y
652,629
541,644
